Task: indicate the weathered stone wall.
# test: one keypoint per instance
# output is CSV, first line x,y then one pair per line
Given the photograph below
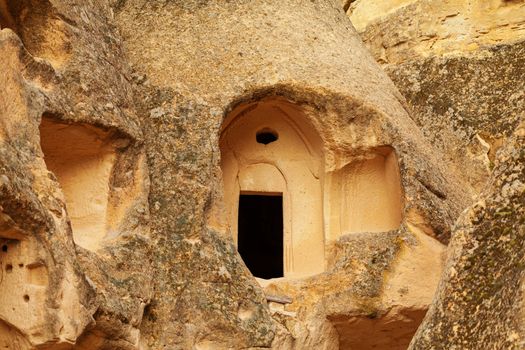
x,y
402,30
459,64
484,276
151,83
195,62
61,61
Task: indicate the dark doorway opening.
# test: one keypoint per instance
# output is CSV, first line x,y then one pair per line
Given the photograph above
x,y
260,240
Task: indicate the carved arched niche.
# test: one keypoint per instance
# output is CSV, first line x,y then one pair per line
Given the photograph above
x,y
271,148
365,195
290,165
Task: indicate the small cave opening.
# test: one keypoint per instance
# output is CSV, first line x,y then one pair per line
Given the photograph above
x,y
82,158
24,17
260,234
6,19
266,136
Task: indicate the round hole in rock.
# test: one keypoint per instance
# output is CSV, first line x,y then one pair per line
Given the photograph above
x,y
9,268
266,136
26,298
4,248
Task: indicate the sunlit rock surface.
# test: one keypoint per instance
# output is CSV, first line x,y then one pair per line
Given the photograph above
x,y
128,131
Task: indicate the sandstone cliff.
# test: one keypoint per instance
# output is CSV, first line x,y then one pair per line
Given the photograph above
x,y
459,64
484,274
129,131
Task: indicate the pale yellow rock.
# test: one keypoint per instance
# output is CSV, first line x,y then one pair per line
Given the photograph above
x,y
397,30
82,159
363,12
120,186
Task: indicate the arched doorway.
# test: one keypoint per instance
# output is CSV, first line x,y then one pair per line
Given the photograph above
x,y
272,157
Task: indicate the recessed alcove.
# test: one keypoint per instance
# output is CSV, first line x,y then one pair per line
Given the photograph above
x,y
270,149
82,158
366,194
6,19
392,331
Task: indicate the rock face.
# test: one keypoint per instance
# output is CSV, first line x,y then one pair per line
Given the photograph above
x,y
73,170
484,274
209,67
130,131
459,64
426,28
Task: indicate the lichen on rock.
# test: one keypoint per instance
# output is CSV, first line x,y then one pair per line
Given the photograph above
x,y
130,130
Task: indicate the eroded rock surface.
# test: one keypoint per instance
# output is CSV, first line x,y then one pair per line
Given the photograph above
x,y
460,66
70,144
484,274
130,129
354,110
